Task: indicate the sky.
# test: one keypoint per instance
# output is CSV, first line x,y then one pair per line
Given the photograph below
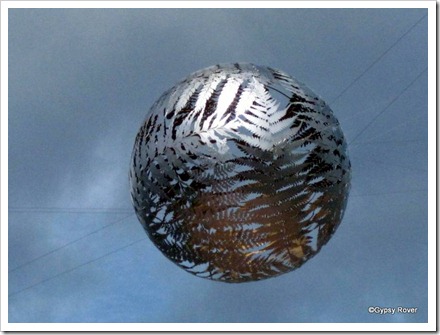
x,y
81,82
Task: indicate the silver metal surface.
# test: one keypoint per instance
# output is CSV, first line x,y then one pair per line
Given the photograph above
x,y
240,173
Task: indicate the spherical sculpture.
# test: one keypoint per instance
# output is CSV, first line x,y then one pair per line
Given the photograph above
x,y
240,173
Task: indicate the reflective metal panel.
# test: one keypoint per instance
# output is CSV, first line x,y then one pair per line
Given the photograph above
x,y
240,173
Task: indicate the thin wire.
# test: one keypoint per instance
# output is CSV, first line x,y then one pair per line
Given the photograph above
x,y
377,60
394,127
66,245
76,267
387,106
67,210
402,142
371,107
386,193
388,164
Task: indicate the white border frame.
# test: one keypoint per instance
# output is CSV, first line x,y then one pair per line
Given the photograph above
x,y
432,182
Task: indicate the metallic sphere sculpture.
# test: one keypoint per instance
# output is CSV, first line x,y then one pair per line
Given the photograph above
x,y
240,173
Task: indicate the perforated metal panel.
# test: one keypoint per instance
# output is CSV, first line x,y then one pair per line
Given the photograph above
x,y
240,173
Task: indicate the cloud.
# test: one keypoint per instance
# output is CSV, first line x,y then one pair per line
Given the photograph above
x,y
80,84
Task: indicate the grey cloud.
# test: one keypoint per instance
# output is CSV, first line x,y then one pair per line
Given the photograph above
x,y
80,84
